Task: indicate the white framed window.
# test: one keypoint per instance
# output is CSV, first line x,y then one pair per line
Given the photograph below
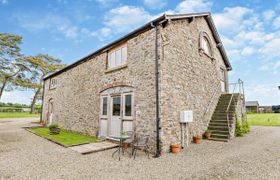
x,y
104,106
205,44
53,83
127,106
117,57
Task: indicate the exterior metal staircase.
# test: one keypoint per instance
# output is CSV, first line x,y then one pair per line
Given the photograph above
x,y
223,117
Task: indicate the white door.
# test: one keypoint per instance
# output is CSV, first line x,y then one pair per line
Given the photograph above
x,y
115,120
50,118
223,80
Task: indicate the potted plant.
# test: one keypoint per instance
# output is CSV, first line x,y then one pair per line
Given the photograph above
x,y
197,139
54,129
208,134
175,148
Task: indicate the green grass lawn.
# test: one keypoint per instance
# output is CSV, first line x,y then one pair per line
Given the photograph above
x,y
65,138
18,115
269,119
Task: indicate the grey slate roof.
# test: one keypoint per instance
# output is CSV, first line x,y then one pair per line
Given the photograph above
x,y
148,26
252,103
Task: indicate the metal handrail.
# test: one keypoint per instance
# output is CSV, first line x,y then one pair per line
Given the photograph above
x,y
241,92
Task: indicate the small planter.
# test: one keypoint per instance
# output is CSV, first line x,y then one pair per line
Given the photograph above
x,y
54,131
207,134
175,148
197,139
125,145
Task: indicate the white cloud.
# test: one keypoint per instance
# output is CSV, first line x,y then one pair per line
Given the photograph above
x,y
3,1
50,22
276,22
266,94
248,51
22,97
232,20
190,6
122,19
271,49
155,4
268,15
106,2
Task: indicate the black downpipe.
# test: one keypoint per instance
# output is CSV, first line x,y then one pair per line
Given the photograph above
x,y
158,150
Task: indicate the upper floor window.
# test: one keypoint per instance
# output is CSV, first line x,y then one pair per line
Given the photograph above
x,y
117,57
205,44
53,83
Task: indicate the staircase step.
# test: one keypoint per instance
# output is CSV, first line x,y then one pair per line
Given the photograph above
x,y
218,124
221,136
220,132
218,139
223,128
222,121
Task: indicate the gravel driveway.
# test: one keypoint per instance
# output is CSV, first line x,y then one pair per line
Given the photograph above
x,y
24,155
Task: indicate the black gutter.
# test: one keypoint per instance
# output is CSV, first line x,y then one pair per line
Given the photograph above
x,y
109,46
42,107
142,29
158,150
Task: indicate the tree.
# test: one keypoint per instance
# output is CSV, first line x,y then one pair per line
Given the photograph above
x,y
39,66
11,69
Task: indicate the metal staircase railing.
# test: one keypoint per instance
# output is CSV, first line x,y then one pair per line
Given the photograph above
x,y
240,84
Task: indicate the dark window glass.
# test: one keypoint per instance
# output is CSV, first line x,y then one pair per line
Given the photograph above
x,y
128,105
104,106
116,106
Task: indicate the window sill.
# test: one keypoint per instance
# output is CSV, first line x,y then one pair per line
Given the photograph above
x,y
204,53
116,68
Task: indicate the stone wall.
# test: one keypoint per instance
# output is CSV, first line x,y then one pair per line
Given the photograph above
x,y
77,96
240,113
189,80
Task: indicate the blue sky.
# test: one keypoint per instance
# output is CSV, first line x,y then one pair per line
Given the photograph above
x,y
69,30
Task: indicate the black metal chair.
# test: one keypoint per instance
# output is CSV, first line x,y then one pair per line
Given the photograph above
x,y
142,144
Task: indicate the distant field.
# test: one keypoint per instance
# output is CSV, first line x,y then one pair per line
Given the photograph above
x,y
270,119
18,115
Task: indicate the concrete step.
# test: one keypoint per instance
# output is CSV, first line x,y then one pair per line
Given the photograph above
x,y
222,128
224,121
218,123
220,132
221,136
218,139
224,113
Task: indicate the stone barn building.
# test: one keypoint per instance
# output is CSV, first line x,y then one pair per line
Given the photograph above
x,y
143,81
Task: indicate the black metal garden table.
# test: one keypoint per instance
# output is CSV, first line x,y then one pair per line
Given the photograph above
x,y
120,149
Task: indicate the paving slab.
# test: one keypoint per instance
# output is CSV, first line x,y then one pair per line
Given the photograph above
x,y
93,147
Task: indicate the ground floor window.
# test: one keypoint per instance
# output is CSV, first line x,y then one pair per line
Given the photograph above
x,y
104,108
127,106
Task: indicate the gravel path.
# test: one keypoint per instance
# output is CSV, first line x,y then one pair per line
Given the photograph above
x,y
24,155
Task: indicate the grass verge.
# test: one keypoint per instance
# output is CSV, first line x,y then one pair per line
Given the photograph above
x,y
18,115
65,138
269,119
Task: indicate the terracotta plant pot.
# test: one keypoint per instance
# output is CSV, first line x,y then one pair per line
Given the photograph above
x,y
54,131
197,139
175,148
125,145
207,135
